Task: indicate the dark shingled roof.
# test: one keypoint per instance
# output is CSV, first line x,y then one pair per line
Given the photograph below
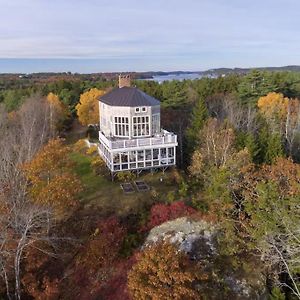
x,y
128,96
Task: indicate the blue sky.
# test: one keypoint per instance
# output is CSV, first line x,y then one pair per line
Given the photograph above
x,y
139,35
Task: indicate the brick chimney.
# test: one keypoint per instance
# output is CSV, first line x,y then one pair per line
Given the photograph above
x,y
124,80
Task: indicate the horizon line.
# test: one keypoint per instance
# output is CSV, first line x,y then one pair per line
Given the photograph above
x,y
135,71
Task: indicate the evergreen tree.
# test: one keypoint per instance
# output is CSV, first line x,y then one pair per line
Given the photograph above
x,y
199,116
13,99
270,146
263,137
174,94
250,141
274,148
150,87
255,85
252,146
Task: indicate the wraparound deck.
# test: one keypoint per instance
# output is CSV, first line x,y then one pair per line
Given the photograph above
x,y
164,139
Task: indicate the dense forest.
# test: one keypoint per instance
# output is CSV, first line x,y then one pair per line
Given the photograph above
x,y
223,224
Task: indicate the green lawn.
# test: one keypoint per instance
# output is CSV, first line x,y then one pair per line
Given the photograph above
x,y
100,192
91,182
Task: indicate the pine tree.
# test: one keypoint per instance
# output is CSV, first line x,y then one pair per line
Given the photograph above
x,y
250,141
263,138
270,146
199,116
252,146
255,85
174,94
274,148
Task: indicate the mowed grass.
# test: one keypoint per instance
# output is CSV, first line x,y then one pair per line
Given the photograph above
x,y
91,182
107,196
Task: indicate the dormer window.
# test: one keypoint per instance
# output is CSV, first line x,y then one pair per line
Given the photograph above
x,y
140,109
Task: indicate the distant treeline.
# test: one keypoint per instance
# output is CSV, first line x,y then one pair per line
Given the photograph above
x,y
238,169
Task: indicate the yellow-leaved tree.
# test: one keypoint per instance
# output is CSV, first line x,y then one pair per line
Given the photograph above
x,y
88,107
274,108
283,117
57,112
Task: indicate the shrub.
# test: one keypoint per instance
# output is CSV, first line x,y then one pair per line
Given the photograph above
x,y
104,247
125,176
80,146
98,166
175,176
183,189
93,133
154,194
115,288
131,242
92,150
171,196
161,213
276,294
199,203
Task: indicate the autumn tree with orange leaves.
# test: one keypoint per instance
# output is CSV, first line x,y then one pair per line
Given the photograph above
x,y
53,181
163,272
88,107
37,282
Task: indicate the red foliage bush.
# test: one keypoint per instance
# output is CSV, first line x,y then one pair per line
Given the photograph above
x,y
97,262
116,287
161,213
104,246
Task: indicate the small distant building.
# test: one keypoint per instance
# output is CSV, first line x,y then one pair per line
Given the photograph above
x,y
130,136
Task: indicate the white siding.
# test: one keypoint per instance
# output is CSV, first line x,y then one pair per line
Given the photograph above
x,y
157,149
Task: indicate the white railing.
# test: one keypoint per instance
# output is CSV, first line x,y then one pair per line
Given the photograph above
x,y
166,138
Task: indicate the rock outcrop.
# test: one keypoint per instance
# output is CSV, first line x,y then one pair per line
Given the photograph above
x,y
199,239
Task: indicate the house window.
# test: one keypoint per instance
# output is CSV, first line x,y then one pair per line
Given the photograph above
x,y
155,153
121,126
140,126
140,109
170,152
132,156
155,123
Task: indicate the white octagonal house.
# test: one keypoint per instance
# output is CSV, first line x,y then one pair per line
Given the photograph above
x,y
130,136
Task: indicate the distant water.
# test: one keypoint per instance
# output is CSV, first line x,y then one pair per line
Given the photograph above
x,y
180,77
